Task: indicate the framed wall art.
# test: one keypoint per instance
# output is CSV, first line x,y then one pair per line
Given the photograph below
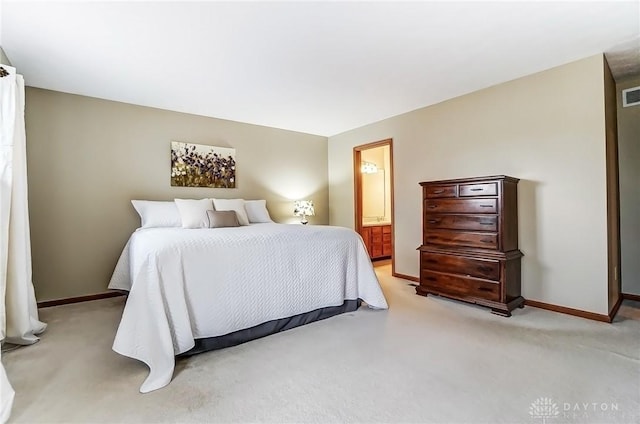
x,y
199,165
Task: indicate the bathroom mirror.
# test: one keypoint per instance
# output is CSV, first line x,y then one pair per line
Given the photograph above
x,y
373,196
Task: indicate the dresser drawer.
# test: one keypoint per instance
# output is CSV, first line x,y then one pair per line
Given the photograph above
x,y
459,286
460,265
461,205
485,189
462,222
461,239
441,191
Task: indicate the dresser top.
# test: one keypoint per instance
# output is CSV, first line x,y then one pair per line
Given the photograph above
x,y
473,180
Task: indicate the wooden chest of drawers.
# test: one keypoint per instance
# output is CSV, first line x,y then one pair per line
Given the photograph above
x,y
469,249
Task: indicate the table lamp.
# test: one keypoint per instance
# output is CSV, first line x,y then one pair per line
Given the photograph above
x,y
304,208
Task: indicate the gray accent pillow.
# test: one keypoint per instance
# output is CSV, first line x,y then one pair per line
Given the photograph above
x,y
219,219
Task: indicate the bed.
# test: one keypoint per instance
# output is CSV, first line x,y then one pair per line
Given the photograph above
x,y
192,290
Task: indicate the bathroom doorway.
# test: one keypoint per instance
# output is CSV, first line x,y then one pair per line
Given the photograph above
x,y
373,180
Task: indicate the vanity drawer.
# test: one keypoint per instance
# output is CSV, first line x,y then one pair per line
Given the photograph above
x,y
441,191
485,189
462,222
461,205
461,239
459,286
460,265
376,230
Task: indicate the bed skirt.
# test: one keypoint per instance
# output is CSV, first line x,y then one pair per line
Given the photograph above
x,y
270,327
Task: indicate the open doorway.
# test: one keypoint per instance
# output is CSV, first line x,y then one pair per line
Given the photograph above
x,y
373,171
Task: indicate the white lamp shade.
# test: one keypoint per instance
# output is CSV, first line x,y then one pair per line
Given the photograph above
x,y
303,208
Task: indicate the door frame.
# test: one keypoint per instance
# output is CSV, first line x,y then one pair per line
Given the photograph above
x,y
357,191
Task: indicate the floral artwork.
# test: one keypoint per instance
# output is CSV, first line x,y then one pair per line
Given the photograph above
x,y
197,165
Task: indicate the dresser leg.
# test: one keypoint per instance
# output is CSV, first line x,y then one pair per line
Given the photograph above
x,y
500,312
422,292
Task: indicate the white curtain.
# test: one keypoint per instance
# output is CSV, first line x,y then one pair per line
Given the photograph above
x,y
19,322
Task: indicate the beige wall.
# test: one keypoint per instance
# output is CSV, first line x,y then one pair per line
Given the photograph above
x,y
629,154
547,129
3,58
87,158
613,192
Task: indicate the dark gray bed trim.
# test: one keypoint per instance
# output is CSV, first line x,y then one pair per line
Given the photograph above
x,y
270,327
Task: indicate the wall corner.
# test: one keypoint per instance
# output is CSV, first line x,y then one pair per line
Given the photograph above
x,y
3,58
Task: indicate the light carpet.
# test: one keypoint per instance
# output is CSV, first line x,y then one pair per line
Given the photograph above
x,y
424,360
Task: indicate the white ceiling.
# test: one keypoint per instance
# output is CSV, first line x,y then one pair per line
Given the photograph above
x,y
316,67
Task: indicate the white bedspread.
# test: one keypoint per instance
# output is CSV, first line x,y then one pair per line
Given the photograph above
x,y
186,284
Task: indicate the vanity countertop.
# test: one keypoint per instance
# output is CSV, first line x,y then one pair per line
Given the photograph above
x,y
375,224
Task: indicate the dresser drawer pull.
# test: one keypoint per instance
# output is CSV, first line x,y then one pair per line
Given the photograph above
x,y
433,221
431,261
485,289
486,206
486,223
484,240
484,268
438,191
431,278
432,206
476,189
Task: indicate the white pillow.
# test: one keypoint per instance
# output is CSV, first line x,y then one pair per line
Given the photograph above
x,y
257,211
233,205
194,212
157,213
